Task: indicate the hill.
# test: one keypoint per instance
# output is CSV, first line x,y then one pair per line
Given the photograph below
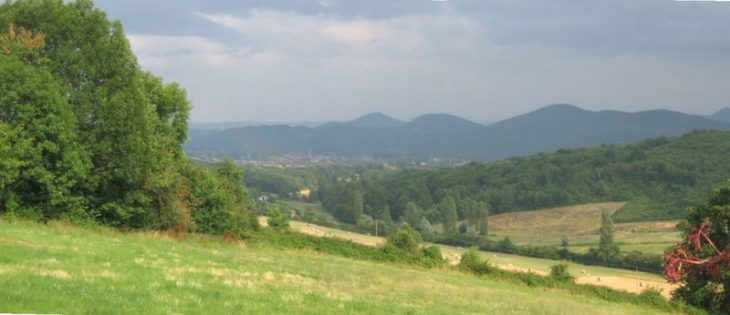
x,y
722,115
374,120
445,136
659,177
566,126
63,269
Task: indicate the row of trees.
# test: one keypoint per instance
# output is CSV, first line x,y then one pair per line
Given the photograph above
x,y
85,134
362,202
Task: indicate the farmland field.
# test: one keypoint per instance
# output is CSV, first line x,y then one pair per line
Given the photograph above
x,y
546,227
581,224
615,278
58,268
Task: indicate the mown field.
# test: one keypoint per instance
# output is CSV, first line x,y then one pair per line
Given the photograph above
x,y
546,227
581,224
70,270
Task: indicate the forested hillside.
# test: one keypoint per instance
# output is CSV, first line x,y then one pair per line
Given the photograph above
x,y
659,177
87,135
443,136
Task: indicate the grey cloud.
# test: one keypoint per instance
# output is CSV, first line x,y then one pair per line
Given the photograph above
x,y
484,60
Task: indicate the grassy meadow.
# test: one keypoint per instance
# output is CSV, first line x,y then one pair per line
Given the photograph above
x,y
620,279
581,223
57,268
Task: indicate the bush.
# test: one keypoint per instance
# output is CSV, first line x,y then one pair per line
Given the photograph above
x,y
472,262
560,272
405,239
277,219
433,256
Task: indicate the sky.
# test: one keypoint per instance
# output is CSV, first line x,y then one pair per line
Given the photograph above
x,y
484,60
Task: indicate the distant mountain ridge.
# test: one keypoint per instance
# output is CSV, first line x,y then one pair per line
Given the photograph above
x,y
444,136
374,120
722,115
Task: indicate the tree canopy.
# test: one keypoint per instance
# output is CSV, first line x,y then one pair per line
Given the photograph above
x,y
702,263
91,136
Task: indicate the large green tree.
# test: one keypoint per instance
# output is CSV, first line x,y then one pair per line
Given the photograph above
x,y
412,215
130,124
43,164
483,217
90,135
447,208
607,250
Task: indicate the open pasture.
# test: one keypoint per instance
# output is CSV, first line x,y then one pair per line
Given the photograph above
x,y
69,270
615,278
581,223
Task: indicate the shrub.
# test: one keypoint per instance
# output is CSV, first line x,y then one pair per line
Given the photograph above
x,y
472,262
405,239
564,241
433,256
277,219
560,272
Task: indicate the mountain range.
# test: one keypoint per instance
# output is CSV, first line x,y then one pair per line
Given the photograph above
x,y
445,136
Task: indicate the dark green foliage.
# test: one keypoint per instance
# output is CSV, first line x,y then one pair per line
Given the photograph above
x,y
277,219
288,239
607,250
564,240
44,164
276,181
412,216
116,121
433,253
424,227
220,204
91,137
447,208
471,261
634,260
560,272
405,239
703,261
659,177
506,246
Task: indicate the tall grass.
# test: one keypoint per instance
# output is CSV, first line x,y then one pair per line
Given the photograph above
x,y
64,269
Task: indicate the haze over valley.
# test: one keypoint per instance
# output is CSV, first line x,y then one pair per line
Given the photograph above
x,y
364,157
445,137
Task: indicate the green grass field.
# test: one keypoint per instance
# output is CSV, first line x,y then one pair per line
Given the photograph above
x,y
69,270
620,279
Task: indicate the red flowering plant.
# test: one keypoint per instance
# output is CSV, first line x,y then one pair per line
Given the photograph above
x,y
701,264
688,258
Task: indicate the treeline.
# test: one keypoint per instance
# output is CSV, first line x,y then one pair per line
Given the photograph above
x,y
633,260
662,176
86,135
659,177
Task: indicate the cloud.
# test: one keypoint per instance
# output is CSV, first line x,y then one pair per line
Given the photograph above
x,y
321,36
484,60
162,51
